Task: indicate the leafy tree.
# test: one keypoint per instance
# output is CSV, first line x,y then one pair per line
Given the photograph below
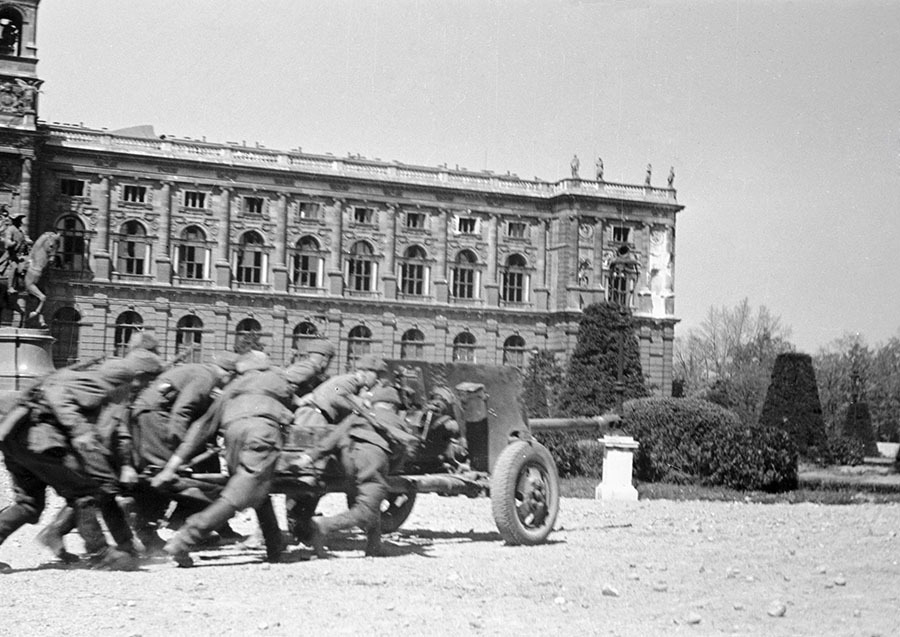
x,y
729,359
848,365
590,384
792,404
541,385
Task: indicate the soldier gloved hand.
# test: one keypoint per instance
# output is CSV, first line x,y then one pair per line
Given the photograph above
x,y
128,475
86,443
163,478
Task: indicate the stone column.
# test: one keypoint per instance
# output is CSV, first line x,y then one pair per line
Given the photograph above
x,y
440,269
388,275
541,291
279,263
25,194
491,285
164,259
223,264
102,256
334,217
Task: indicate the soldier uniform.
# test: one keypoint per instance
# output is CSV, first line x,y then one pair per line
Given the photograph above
x,y
253,412
57,445
160,418
365,455
328,404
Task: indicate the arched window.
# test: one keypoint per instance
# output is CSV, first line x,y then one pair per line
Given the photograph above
x,y
303,333
189,334
65,328
361,269
251,262
412,345
247,336
74,246
307,263
414,272
192,254
514,280
10,32
514,351
464,276
359,343
126,325
464,348
133,249
621,279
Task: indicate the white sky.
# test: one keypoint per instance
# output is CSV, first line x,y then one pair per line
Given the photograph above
x,y
782,119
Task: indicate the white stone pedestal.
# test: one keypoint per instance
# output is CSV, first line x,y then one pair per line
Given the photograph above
x,y
618,455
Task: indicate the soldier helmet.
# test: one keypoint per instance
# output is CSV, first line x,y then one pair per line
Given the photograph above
x,y
443,393
372,363
254,359
226,360
320,346
385,395
143,340
118,371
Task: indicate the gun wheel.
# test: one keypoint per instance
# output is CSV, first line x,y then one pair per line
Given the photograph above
x,y
525,493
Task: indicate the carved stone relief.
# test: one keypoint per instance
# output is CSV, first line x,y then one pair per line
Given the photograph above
x,y
659,269
17,97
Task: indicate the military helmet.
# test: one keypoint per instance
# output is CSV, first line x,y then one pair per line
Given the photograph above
x,y
385,395
372,363
320,346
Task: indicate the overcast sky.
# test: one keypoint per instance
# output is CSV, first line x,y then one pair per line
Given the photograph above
x,y
782,119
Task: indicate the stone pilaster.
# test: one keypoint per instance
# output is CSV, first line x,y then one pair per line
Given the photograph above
x,y
102,257
223,264
440,269
389,275
334,217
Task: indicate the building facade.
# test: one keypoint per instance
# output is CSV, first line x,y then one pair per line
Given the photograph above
x,y
212,245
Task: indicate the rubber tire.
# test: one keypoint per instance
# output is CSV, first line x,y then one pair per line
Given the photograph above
x,y
519,456
395,515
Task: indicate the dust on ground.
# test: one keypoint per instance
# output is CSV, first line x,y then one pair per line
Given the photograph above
x,y
648,568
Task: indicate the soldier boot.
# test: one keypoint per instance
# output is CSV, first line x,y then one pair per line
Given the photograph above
x,y
103,556
271,532
197,527
53,535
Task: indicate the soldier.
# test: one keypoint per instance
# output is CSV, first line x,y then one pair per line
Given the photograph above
x,y
253,413
326,406
365,445
15,247
310,371
57,444
443,438
160,418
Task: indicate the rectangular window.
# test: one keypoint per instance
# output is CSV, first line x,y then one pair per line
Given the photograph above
x,y
308,210
466,225
71,187
513,288
306,270
194,199
360,275
415,220
253,205
516,230
134,194
621,234
132,257
412,279
250,266
191,262
463,283
364,215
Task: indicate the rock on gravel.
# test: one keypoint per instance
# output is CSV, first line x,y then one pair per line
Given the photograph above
x,y
448,572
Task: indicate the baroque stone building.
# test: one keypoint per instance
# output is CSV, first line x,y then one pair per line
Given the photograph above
x,y
207,244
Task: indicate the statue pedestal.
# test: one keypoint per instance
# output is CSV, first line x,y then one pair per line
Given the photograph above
x,y
24,357
618,452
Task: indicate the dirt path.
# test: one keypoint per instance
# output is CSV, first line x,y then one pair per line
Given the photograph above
x,y
667,568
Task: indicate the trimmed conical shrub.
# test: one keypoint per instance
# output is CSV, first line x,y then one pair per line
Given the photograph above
x,y
590,385
792,404
858,426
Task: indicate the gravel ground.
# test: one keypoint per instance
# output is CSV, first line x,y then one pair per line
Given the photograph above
x,y
648,568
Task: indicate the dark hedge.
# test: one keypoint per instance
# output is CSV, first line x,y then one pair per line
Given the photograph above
x,y
692,441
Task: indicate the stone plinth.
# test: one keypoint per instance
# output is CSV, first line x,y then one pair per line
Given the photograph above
x,y
24,357
618,460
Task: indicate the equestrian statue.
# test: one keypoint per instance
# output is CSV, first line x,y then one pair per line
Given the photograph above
x,y
22,264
